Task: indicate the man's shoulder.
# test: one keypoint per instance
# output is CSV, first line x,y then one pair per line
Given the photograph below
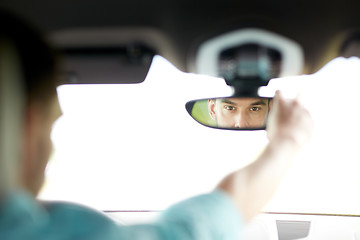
x,y
23,217
68,211
78,220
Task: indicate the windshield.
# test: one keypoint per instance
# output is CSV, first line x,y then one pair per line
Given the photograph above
x,y
134,147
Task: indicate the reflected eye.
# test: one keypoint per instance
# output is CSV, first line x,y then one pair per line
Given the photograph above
x,y
230,108
255,109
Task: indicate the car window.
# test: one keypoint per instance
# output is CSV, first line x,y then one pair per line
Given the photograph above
x,y
134,147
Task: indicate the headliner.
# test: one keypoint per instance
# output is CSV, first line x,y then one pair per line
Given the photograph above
x,y
319,26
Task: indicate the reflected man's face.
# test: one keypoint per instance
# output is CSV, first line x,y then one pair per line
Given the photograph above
x,y
239,112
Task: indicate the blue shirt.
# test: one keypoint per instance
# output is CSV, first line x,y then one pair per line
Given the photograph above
x,y
210,216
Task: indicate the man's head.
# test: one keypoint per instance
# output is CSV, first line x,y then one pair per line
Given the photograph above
x,y
239,112
37,63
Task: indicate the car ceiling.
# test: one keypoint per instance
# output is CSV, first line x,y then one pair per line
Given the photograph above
x,y
319,26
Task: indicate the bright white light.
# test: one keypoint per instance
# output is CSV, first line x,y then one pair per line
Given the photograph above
x,y
133,147
325,178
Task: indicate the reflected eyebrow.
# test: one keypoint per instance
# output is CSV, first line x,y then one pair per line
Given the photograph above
x,y
224,100
260,102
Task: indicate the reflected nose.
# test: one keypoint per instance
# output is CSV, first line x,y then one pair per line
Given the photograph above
x,y
240,121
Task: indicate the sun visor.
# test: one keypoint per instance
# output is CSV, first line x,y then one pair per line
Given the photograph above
x,y
108,55
108,65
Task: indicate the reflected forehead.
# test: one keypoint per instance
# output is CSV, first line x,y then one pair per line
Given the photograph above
x,y
242,101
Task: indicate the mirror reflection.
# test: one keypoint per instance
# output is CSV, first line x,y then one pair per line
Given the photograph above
x,y
231,112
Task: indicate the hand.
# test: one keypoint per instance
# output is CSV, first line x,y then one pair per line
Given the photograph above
x,y
289,121
289,127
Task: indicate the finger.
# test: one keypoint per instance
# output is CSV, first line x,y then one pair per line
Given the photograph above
x,y
278,94
301,101
279,98
300,98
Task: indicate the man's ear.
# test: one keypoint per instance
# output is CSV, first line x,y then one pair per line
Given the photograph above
x,y
211,108
32,126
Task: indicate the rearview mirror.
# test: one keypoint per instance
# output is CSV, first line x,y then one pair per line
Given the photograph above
x,y
235,113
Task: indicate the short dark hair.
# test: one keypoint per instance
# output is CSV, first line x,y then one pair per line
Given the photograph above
x,y
37,58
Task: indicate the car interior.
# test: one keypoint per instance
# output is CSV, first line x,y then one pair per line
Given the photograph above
x,y
138,85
